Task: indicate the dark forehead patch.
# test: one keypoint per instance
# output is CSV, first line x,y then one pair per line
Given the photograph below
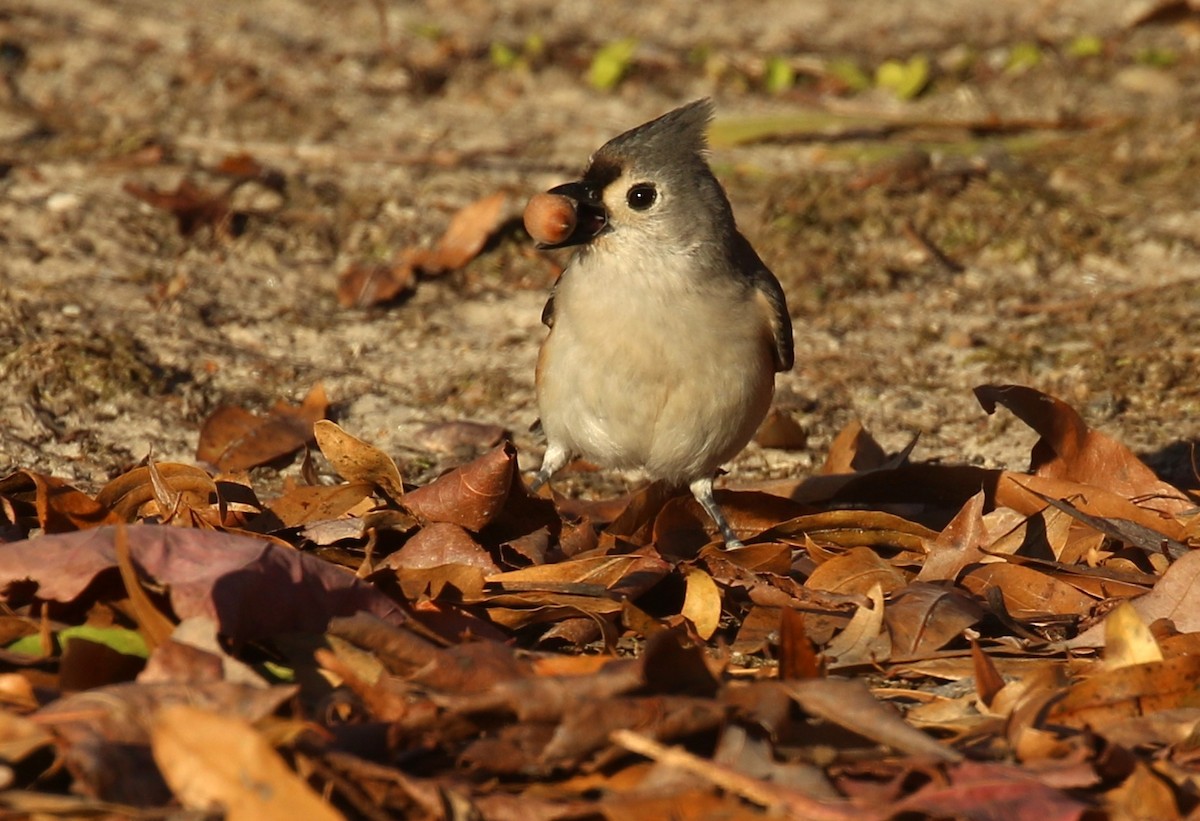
x,y
602,172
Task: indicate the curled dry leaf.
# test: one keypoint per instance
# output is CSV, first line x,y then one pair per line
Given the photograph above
x,y
797,656
863,639
853,450
235,439
357,461
60,508
1027,494
126,494
471,495
781,430
850,528
1069,449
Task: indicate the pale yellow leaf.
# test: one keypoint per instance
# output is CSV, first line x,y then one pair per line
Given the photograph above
x,y
1127,639
702,603
217,763
863,638
356,460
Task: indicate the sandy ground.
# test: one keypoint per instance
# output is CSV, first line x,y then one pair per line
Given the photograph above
x,y
1024,220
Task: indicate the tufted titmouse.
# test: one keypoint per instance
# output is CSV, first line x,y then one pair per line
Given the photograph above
x,y
666,329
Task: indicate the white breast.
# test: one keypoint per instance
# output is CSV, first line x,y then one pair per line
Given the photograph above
x,y
648,370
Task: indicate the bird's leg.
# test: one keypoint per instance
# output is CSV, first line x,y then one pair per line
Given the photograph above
x,y
702,489
555,460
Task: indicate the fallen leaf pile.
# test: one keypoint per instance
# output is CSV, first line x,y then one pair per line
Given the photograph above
x,y
898,639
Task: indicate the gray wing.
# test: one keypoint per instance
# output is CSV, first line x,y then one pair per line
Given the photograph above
x,y
771,297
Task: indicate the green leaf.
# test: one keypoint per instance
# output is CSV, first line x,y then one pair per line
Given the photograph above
x,y
27,646
1023,57
611,63
905,80
848,73
1086,45
780,76
502,55
279,671
1157,57
534,46
129,642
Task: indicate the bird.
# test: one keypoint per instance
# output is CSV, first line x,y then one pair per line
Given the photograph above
x,y
666,328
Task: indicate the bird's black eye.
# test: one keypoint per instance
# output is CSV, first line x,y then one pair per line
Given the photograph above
x,y
641,196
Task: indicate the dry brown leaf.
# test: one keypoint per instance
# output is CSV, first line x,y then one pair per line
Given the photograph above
x,y
364,284
1070,450
1041,535
988,790
1118,694
598,573
471,495
848,703
759,629
958,545
1144,794
779,800
682,527
923,618
305,504
988,681
60,507
154,626
206,573
217,763
853,450
1176,596
126,494
1026,591
853,528
1014,490
863,639
192,206
439,544
235,439
466,235
781,430
357,461
456,436
797,656
857,570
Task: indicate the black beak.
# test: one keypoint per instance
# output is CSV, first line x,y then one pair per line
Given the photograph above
x,y
590,216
